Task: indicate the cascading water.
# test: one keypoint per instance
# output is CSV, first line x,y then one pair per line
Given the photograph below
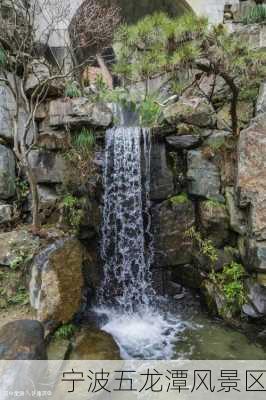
x,y
126,239
126,296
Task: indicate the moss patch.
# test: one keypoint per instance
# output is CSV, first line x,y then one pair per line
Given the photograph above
x,y
180,199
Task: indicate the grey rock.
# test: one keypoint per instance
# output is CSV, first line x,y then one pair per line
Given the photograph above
x,y
218,138
184,141
39,73
7,173
214,221
53,139
162,179
253,35
170,222
191,110
7,113
203,176
78,112
256,306
48,167
251,175
6,211
261,102
22,340
237,216
257,255
47,196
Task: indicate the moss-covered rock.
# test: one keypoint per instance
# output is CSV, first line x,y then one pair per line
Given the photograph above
x,y
93,344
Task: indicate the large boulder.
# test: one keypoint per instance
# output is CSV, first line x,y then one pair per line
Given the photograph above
x,y
7,173
48,167
256,305
251,175
78,112
162,178
192,110
203,176
22,340
57,282
171,219
15,244
214,221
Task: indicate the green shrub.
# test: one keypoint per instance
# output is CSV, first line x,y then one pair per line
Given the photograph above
x,y
231,283
84,142
72,90
149,111
65,331
205,246
21,297
256,14
72,212
23,257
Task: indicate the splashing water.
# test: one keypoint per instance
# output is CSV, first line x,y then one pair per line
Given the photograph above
x,y
126,296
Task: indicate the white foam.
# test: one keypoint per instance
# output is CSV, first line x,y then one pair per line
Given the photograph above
x,y
144,335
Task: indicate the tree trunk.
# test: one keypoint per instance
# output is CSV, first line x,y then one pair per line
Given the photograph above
x,y
106,73
234,89
36,224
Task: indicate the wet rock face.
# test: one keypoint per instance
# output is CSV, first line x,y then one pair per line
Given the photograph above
x,y
57,282
162,179
7,173
22,340
192,110
171,221
203,176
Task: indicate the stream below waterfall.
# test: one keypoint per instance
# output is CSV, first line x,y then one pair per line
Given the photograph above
x,y
144,324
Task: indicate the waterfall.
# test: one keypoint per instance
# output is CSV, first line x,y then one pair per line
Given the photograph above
x,y
126,298
126,247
